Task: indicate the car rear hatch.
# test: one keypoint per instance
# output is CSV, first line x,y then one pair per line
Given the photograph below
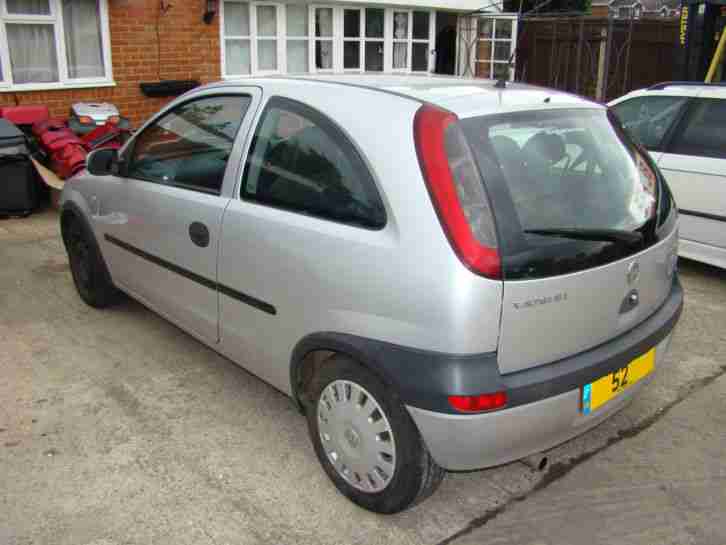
x,y
584,230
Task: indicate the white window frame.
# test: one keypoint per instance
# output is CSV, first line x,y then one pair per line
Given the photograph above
x,y
359,39
286,37
277,38
406,40
431,40
223,38
337,38
494,40
336,14
385,40
55,19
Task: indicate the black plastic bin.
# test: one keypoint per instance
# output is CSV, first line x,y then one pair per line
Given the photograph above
x,y
18,178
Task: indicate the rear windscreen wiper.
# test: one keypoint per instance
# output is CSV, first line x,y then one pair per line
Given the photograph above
x,y
613,235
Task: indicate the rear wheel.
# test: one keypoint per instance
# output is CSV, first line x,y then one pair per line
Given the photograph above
x,y
89,272
366,440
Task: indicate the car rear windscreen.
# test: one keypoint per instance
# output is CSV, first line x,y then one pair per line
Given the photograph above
x,y
568,188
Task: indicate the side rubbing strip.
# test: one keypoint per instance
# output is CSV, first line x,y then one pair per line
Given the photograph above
x,y
703,215
206,282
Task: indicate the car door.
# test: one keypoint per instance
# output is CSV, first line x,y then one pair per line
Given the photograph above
x,y
306,204
694,163
161,232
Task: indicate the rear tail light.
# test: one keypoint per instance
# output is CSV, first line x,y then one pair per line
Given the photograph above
x,y
85,119
456,190
114,120
478,403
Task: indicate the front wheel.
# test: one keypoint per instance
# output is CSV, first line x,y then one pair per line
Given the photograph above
x,y
366,440
89,272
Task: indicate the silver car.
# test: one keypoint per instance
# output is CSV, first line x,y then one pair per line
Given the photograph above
x,y
444,274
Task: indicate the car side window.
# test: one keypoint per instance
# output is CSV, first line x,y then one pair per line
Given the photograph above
x,y
301,161
704,131
648,118
189,146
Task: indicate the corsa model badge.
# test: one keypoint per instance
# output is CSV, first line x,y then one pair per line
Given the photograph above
x,y
633,273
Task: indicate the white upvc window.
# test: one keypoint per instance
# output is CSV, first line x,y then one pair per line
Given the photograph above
x,y
322,31
52,44
297,41
374,39
266,26
401,40
413,34
353,39
423,29
494,50
263,38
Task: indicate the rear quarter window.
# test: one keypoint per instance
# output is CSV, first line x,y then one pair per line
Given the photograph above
x,y
302,162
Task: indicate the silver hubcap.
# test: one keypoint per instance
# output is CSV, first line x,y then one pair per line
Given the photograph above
x,y
356,436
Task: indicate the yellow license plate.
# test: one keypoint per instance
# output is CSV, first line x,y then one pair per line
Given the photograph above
x,y
605,388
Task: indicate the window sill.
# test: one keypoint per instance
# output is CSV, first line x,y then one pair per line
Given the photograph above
x,y
21,88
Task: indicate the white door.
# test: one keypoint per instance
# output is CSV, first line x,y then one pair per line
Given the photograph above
x,y
694,164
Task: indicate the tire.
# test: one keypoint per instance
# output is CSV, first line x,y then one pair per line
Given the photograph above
x,y
89,272
388,439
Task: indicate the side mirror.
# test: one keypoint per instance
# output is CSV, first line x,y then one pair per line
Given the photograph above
x,y
102,162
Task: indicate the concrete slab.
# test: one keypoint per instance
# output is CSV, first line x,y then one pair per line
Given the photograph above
x,y
118,428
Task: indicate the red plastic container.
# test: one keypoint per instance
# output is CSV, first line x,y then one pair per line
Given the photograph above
x,y
25,115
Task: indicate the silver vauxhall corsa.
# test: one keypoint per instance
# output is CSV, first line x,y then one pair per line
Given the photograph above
x,y
444,274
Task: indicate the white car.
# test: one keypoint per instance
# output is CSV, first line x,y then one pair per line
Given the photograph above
x,y
683,126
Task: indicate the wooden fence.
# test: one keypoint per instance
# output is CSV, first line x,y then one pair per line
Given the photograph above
x,y
597,57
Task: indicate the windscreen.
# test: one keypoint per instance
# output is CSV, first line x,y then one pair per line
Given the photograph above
x,y
569,189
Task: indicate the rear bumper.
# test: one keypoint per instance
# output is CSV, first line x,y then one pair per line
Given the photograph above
x,y
547,400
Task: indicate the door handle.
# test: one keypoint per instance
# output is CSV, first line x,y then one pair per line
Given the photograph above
x,y
199,234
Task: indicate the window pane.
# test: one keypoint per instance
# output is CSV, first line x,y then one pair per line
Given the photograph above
x,y
351,54
237,57
502,51
33,56
486,28
648,118
301,162
266,21
501,70
82,30
400,53
297,56
374,23
297,20
420,57
503,28
483,70
267,54
28,7
236,19
420,25
351,23
324,54
190,145
704,134
323,22
400,25
484,50
374,56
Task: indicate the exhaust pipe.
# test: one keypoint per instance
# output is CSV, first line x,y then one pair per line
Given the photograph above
x,y
536,462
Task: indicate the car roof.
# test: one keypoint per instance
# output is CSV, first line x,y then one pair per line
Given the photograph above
x,y
464,96
689,89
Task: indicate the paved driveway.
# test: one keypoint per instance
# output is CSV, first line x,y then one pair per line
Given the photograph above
x,y
118,428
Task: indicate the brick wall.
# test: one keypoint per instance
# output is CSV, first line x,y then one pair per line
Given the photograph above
x,y
188,49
